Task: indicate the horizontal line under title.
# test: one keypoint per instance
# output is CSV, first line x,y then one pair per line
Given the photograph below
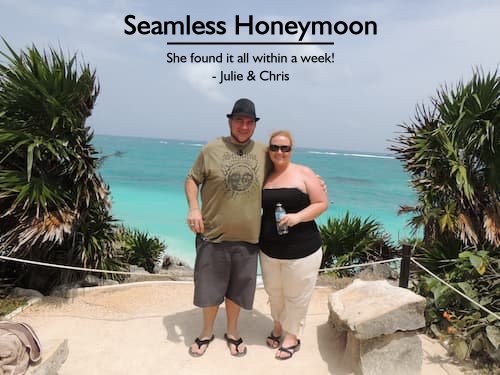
x,y
248,43
248,26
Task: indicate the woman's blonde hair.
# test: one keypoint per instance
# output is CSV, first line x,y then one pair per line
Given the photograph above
x,y
284,133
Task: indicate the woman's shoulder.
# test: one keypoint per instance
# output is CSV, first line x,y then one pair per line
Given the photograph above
x,y
304,170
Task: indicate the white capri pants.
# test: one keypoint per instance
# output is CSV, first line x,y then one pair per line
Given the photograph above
x,y
290,284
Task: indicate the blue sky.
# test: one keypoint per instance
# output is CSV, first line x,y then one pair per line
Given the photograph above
x,y
354,104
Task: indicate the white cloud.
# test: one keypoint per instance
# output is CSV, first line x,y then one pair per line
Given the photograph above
x,y
199,76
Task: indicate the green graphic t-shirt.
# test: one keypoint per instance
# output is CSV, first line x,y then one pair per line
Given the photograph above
x,y
231,178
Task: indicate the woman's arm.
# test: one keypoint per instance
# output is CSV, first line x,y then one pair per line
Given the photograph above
x,y
317,196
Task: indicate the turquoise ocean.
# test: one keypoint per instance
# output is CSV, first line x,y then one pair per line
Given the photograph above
x,y
147,186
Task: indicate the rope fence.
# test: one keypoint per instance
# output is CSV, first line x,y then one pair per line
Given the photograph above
x,y
457,291
32,262
73,268
358,265
403,274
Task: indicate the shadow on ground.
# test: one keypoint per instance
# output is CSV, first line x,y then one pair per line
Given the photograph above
x,y
185,326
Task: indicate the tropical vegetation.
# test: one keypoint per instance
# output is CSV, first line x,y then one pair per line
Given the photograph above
x,y
470,331
54,205
451,150
8,305
353,240
140,248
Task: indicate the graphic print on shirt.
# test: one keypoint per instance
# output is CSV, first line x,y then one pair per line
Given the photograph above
x,y
240,173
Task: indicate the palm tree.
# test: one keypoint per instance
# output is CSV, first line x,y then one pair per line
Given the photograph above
x,y
54,205
452,151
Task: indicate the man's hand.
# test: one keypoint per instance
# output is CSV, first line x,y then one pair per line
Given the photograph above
x,y
195,221
323,184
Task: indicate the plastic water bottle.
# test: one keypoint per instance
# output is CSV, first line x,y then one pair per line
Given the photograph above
x,y
278,214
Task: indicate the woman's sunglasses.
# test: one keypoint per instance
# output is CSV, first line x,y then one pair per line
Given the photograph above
x,y
276,148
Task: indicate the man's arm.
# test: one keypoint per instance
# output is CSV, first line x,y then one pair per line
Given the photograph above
x,y
194,218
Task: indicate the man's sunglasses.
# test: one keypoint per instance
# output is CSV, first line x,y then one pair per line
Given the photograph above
x,y
276,148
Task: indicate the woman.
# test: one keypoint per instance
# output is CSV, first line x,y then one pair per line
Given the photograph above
x,y
290,261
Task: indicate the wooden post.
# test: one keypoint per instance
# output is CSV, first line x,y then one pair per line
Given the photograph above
x,y
404,272
385,253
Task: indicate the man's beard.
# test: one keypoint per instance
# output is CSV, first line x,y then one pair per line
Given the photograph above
x,y
237,140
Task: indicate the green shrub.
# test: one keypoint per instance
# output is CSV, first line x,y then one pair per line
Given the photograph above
x,y
7,305
141,249
470,331
352,240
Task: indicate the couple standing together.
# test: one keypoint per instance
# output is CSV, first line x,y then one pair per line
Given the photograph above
x,y
236,178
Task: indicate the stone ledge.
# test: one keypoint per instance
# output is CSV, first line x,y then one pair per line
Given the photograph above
x,y
20,309
54,354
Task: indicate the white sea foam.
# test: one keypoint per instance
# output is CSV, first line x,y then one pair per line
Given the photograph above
x,y
356,155
370,156
192,144
323,153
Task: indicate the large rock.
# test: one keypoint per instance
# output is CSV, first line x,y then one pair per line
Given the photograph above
x,y
92,280
171,262
378,322
27,293
67,290
177,274
373,308
397,354
378,272
173,268
139,274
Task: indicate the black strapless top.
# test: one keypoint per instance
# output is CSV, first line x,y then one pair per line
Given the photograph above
x,y
301,240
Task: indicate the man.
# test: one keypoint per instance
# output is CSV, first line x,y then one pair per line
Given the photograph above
x,y
229,174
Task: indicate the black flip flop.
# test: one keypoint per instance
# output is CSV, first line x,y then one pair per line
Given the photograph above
x,y
200,343
290,350
275,339
236,343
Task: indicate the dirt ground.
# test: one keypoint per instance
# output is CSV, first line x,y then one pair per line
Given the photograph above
x,y
146,328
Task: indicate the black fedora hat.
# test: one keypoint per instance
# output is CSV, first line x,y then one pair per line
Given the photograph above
x,y
244,107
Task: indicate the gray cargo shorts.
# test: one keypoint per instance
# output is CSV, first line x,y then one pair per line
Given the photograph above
x,y
225,270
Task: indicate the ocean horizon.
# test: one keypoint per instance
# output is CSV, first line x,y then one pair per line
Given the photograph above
x,y
146,180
